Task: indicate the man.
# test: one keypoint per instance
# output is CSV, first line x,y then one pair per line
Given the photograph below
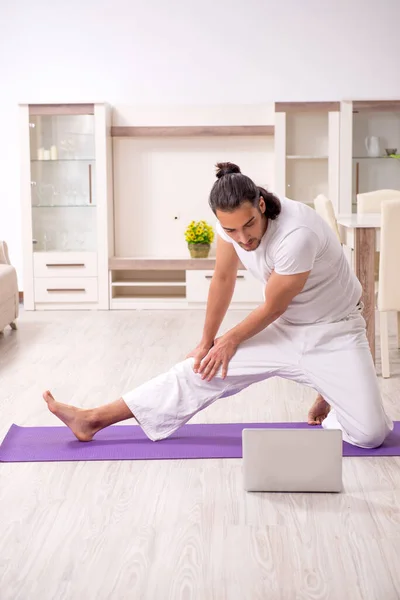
x,y
309,329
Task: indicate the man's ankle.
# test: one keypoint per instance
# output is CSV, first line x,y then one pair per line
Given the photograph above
x,y
93,417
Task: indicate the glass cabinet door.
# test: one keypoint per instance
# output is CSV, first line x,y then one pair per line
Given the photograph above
x,y
63,194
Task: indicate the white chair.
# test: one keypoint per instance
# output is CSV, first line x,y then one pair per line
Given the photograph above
x,y
389,280
324,208
370,202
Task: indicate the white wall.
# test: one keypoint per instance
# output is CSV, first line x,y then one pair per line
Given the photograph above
x,y
185,52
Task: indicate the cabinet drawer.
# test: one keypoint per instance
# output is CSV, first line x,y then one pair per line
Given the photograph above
x,y
247,288
66,289
65,264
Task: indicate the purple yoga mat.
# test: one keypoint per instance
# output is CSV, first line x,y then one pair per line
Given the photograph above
x,y
128,442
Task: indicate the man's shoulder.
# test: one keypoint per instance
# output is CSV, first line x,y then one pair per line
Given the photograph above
x,y
293,227
296,215
291,218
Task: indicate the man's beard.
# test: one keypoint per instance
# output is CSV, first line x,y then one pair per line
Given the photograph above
x,y
254,245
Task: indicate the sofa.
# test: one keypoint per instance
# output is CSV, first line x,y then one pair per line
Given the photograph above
x,y
9,297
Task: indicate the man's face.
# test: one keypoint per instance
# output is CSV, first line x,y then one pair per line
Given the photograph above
x,y
246,225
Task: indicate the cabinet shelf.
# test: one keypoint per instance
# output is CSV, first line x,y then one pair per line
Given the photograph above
x,y
190,131
372,158
305,157
116,263
64,205
62,160
146,283
57,253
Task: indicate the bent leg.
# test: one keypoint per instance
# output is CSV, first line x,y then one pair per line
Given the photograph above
x,y
340,366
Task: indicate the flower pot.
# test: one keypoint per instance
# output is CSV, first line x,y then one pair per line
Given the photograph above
x,y
199,250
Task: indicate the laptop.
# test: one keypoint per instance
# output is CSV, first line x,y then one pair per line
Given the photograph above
x,y
292,460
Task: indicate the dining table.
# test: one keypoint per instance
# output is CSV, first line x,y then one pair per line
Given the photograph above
x,y
360,234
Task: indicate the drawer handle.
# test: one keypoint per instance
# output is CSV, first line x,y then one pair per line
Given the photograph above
x,y
65,264
211,276
66,290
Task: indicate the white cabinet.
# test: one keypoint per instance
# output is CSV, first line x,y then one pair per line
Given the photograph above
x,y
65,290
173,283
248,291
65,264
76,157
307,138
156,152
66,196
370,132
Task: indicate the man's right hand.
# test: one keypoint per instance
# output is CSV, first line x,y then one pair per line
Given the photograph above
x,y
199,353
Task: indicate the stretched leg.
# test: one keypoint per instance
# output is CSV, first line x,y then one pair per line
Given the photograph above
x,y
168,401
84,424
339,364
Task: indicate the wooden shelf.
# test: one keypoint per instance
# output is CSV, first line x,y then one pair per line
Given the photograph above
x,y
192,131
371,157
305,157
307,106
376,105
60,109
131,283
159,264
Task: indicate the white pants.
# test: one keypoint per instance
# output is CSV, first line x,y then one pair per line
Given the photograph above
x,y
332,358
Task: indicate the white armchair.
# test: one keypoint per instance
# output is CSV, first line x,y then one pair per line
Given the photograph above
x,y
9,297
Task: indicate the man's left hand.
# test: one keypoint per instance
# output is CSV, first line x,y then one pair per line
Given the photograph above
x,y
219,356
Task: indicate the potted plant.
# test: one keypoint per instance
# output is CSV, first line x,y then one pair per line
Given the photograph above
x,y
199,236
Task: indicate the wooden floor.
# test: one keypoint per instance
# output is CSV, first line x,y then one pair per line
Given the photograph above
x,y
176,529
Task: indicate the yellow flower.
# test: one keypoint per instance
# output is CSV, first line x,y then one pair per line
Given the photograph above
x,y
199,232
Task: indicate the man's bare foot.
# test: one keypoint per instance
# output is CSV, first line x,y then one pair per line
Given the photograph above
x,y
79,421
319,411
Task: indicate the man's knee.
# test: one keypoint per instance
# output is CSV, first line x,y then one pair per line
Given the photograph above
x,y
370,438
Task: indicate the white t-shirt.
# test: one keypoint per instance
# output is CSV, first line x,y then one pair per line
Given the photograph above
x,y
299,240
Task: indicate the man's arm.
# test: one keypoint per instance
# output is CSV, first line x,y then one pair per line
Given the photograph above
x,y
219,297
221,289
279,292
293,262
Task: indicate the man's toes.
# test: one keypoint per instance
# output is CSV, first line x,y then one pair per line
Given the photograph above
x,y
48,397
